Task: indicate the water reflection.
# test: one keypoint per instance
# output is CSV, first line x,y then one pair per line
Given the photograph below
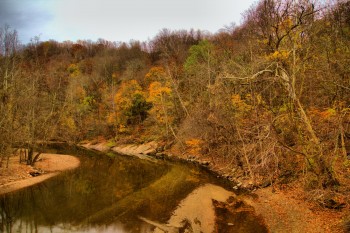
x,y
19,226
103,195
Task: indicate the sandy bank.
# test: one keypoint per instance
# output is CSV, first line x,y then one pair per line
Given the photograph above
x,y
17,176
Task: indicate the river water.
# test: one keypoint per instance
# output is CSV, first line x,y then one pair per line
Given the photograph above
x,y
107,193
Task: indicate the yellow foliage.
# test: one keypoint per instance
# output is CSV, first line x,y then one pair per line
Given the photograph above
x,y
80,92
68,122
159,95
265,41
122,128
124,99
286,24
340,106
115,75
73,70
255,99
194,146
326,114
278,55
111,118
338,110
240,106
155,74
157,90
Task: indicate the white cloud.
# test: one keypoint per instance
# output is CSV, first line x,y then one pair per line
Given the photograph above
x,y
122,20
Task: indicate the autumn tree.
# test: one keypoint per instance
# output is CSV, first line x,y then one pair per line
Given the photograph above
x,y
9,75
200,69
130,106
284,29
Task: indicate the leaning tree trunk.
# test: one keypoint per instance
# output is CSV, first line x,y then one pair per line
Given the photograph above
x,y
314,154
31,159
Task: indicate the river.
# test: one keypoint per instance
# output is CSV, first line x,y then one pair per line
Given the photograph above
x,y
116,193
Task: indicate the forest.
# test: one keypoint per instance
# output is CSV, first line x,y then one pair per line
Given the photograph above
x,y
268,100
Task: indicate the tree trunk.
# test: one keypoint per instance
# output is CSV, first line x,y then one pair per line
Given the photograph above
x,y
30,155
314,152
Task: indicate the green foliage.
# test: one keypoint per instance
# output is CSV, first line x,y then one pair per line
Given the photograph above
x,y
138,111
111,143
198,54
111,154
87,103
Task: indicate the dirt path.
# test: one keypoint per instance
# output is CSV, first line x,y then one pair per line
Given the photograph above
x,y
17,176
287,212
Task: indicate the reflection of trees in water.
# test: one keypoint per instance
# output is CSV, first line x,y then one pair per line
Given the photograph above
x,y
6,218
98,184
14,207
102,191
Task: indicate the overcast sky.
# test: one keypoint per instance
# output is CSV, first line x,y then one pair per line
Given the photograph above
x,y
116,20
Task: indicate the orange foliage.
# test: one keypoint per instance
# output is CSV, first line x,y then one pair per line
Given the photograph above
x,y
278,55
123,102
194,146
159,95
156,73
241,108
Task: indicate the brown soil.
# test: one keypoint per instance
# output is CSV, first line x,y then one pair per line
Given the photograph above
x,y
288,211
17,175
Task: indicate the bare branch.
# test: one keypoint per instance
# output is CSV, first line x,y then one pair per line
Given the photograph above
x,y
228,76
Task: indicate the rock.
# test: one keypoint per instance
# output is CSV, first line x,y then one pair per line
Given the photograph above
x,y
205,163
333,204
160,155
140,151
265,184
102,146
132,149
160,149
34,174
191,157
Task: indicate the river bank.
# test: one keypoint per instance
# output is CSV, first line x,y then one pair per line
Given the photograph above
x,y
283,209
18,176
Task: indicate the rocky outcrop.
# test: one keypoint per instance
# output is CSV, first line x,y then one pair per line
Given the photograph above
x,y
132,149
142,151
101,146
